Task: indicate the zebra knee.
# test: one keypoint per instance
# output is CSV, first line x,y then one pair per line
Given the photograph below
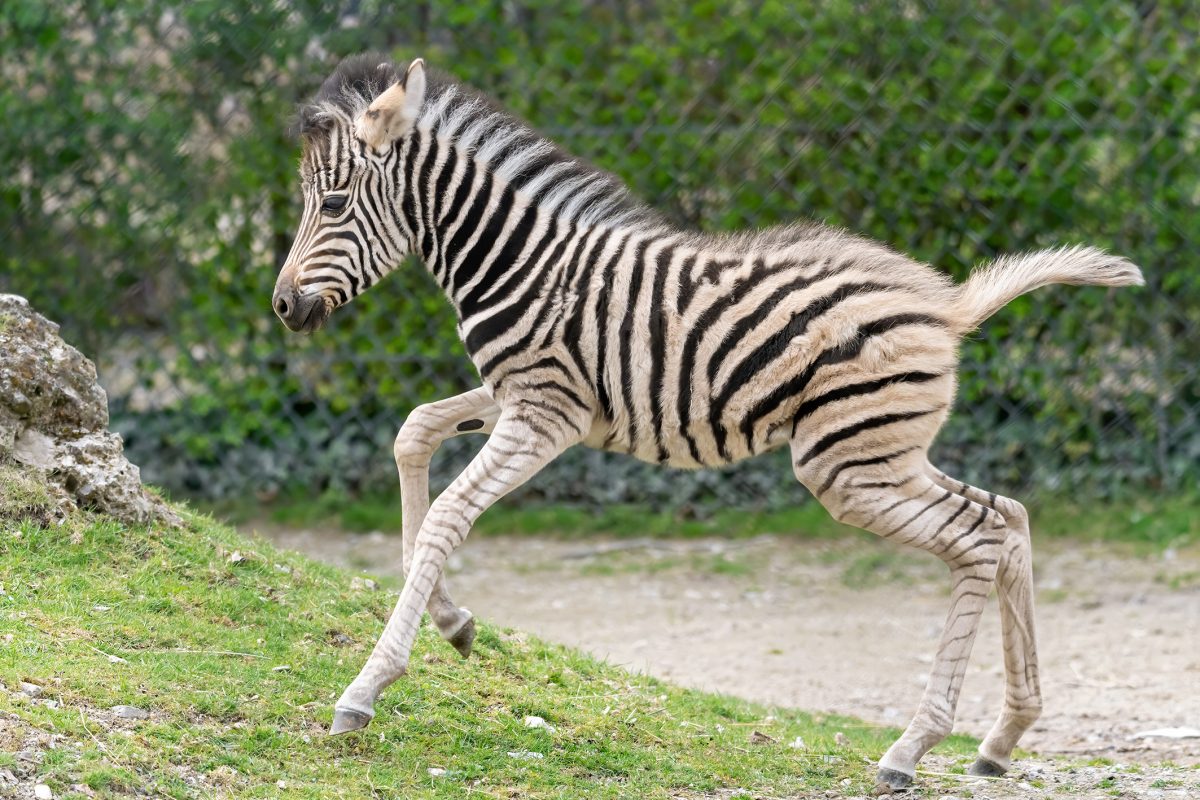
x,y
414,446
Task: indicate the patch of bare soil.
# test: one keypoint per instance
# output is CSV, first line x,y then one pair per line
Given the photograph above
x,y
850,627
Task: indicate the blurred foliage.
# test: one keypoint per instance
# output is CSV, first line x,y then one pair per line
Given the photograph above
x,y
149,198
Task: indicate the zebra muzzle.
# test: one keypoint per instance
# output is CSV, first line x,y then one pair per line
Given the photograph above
x,y
300,313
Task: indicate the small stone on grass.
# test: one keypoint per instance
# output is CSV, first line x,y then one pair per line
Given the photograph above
x,y
42,792
538,722
130,712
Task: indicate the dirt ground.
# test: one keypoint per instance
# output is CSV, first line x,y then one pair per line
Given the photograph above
x,y
848,626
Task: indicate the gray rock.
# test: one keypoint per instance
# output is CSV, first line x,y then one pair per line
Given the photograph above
x,y
54,419
130,712
30,689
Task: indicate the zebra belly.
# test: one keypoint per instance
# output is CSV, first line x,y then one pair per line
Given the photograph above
x,y
677,449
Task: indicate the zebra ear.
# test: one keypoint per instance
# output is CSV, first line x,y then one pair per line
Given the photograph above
x,y
393,113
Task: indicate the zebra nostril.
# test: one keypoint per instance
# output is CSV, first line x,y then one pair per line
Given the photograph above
x,y
281,307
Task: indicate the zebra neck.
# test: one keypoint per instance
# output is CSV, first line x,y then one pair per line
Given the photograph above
x,y
490,212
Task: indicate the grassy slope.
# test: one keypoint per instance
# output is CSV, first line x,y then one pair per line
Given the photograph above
x,y
177,608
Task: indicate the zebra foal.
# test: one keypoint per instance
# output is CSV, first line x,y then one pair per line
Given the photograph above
x,y
592,320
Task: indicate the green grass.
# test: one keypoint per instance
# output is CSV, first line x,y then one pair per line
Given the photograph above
x,y
1157,522
239,659
22,495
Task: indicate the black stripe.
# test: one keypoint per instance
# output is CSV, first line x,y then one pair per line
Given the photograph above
x,y
556,297
473,259
687,361
778,342
313,267
506,318
470,224
835,355
965,534
658,346
966,504
443,184
915,516
602,315
520,271
532,169
859,462
808,407
427,218
553,409
407,205
870,423
506,259
461,193
547,362
626,330
687,287
497,324
565,391
573,327
764,310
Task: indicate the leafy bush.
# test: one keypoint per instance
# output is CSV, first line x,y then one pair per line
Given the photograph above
x,y
150,198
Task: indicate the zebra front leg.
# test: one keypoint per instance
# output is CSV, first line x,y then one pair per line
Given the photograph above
x,y
1014,584
524,440
426,428
884,496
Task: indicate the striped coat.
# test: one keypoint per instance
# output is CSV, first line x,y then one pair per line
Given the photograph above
x,y
594,321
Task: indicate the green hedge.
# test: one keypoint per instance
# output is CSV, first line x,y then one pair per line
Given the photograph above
x,y
149,199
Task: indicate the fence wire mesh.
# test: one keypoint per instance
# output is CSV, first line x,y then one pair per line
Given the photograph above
x,y
148,200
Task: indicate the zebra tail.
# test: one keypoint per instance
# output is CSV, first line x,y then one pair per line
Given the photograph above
x,y
994,285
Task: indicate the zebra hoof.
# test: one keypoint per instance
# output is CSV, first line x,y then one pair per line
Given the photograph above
x,y
985,768
346,720
463,638
888,781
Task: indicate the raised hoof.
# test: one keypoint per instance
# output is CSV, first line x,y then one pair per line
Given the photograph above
x,y
464,638
890,780
984,768
346,720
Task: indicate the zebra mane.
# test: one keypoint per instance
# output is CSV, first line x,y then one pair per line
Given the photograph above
x,y
359,79
346,93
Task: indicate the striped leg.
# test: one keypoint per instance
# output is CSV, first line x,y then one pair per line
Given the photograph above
x,y
1014,584
891,496
524,439
419,438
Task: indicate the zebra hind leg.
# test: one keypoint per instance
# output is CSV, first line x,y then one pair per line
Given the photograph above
x,y
1014,585
892,496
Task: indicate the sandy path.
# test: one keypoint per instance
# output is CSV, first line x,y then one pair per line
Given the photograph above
x,y
847,627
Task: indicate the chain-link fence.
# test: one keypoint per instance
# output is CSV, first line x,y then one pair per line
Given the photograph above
x,y
148,197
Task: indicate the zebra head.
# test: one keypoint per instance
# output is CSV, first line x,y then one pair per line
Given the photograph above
x,y
352,232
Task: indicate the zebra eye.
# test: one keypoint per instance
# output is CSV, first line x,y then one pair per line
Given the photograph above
x,y
334,202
